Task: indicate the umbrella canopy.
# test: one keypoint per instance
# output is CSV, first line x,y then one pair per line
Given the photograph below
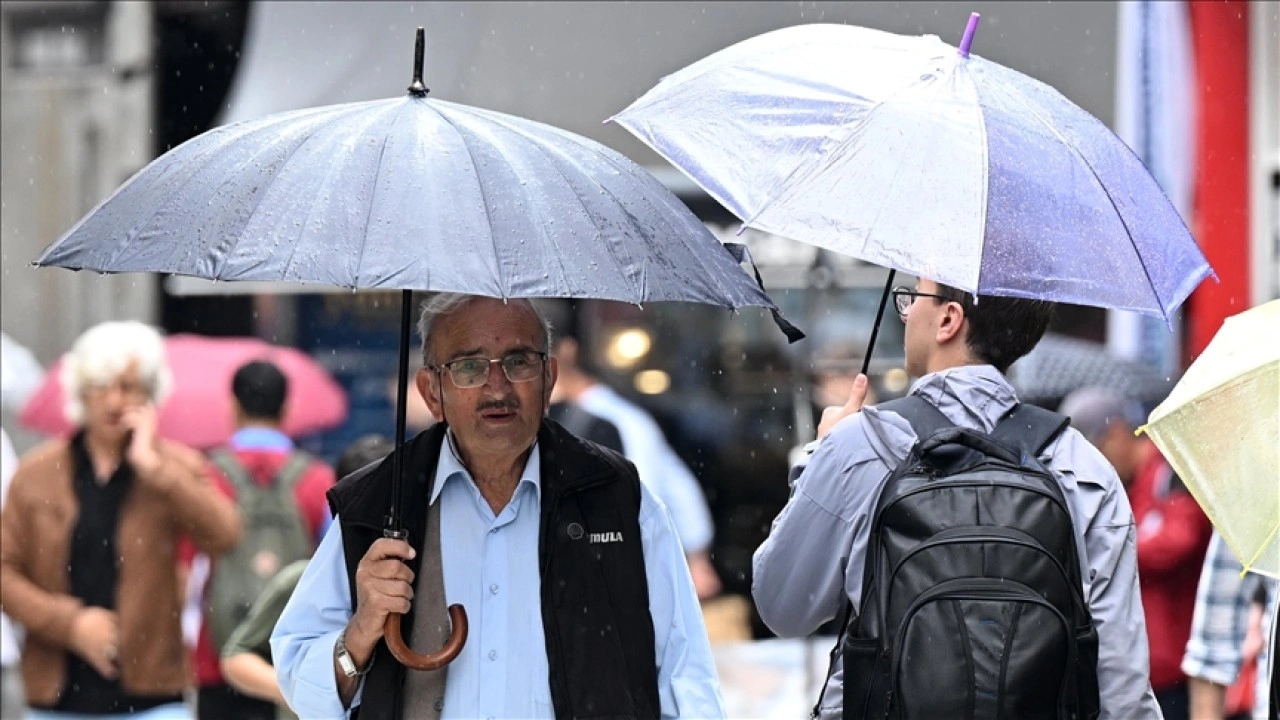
x,y
1059,365
1220,429
20,373
200,411
904,152
409,193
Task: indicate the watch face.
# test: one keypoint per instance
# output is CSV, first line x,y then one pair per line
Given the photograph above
x,y
348,665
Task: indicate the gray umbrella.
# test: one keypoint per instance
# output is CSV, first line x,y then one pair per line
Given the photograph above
x,y
1059,365
411,194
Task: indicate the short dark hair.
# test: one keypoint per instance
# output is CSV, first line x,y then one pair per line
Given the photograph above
x,y
567,323
1001,329
260,389
361,452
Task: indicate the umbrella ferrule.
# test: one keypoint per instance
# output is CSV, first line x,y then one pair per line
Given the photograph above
x,y
416,88
969,31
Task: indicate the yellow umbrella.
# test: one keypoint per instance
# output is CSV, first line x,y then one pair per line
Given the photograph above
x,y
1220,429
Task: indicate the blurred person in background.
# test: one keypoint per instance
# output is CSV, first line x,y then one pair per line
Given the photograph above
x,y
89,535
642,443
10,680
418,416
246,657
1173,532
1233,610
280,492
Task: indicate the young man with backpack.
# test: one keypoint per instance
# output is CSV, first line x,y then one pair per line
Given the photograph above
x,y
982,551
280,492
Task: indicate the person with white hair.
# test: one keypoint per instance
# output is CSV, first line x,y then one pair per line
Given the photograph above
x,y
88,536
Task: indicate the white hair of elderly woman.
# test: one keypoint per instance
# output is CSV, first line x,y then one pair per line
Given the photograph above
x,y
103,352
440,304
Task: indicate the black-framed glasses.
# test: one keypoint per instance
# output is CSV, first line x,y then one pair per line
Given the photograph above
x,y
471,372
903,297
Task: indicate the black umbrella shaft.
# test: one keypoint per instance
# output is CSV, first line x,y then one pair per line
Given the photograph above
x,y
875,329
397,461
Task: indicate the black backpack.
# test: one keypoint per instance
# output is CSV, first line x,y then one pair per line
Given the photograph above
x,y
972,602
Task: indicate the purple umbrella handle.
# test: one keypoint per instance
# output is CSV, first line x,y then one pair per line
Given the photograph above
x,y
969,31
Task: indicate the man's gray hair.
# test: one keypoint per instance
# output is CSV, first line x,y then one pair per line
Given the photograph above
x,y
441,304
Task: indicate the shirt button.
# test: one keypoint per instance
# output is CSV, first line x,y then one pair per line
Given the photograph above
x,y
493,589
493,654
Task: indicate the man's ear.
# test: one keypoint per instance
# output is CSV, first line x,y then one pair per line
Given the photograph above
x,y
951,322
428,383
550,374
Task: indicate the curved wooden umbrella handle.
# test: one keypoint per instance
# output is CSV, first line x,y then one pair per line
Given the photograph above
x,y
401,651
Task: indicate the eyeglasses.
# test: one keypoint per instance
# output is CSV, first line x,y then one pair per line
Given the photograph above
x,y
903,297
471,372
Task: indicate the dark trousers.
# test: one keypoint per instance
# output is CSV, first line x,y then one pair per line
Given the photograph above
x,y
1174,701
222,702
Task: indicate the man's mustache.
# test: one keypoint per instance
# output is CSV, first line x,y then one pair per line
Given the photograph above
x,y
511,404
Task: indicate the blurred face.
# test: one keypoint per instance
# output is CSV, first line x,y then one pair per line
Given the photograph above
x,y
498,417
105,403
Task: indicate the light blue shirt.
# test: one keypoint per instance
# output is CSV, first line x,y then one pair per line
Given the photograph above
x,y
490,566
660,468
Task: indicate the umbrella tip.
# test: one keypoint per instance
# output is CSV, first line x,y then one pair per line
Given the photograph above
x,y
969,31
416,88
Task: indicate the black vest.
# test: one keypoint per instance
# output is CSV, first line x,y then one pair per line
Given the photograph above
x,y
595,595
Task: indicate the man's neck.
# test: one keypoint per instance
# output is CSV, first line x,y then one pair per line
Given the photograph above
x,y
946,359
104,454
495,477
572,384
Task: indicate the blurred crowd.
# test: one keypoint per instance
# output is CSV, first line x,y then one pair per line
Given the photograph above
x,y
142,577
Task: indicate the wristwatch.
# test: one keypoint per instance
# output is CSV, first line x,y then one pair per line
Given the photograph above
x,y
345,661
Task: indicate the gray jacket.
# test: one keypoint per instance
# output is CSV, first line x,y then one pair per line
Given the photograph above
x,y
813,558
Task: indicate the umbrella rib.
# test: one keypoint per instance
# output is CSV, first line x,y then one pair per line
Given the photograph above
x,y
214,151
706,272
1034,112
364,246
484,198
558,153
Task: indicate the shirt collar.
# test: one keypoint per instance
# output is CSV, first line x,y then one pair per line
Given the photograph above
x,y
450,466
261,438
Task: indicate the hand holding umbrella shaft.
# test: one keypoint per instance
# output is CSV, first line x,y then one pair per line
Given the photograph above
x,y
834,414
384,585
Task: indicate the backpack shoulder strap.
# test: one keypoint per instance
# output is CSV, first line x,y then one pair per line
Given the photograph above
x,y
925,418
227,463
1030,428
293,469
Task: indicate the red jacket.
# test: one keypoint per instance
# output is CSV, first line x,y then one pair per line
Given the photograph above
x,y
1173,534
309,493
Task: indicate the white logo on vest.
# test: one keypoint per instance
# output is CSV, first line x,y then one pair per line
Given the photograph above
x,y
606,537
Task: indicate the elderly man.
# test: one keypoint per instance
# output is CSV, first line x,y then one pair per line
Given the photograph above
x,y
89,532
570,570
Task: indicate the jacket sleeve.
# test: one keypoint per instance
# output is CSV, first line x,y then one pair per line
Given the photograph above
x,y
1110,540
819,539
202,512
1180,538
45,615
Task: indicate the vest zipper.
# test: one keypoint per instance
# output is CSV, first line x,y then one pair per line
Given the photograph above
x,y
552,524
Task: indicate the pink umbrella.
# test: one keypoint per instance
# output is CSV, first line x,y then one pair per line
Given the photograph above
x,y
199,411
